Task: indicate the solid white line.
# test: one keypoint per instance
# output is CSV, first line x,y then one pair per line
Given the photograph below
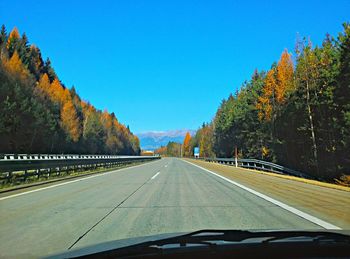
x,y
73,181
154,176
295,211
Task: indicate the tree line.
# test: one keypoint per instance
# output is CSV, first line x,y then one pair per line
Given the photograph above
x,y
172,149
39,114
296,114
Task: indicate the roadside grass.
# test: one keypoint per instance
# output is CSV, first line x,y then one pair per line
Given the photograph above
x,y
343,184
344,180
304,180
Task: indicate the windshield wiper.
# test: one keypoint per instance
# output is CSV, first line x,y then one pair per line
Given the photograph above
x,y
268,236
240,235
214,238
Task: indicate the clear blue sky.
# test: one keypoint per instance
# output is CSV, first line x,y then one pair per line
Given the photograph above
x,y
162,65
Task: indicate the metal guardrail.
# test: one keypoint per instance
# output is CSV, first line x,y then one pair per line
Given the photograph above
x,y
259,165
19,167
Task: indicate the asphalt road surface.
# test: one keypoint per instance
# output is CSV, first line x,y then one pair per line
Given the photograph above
x,y
164,196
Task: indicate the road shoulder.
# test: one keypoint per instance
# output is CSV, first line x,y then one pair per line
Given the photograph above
x,y
328,204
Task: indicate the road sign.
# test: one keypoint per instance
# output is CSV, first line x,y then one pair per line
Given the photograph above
x,y
196,152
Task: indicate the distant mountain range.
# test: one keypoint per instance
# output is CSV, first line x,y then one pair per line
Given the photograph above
x,y
152,140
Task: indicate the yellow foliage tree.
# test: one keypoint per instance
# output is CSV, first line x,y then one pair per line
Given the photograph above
x,y
107,120
55,90
44,83
65,95
70,121
59,94
15,66
13,35
112,142
43,86
205,142
278,83
265,151
284,76
266,100
186,145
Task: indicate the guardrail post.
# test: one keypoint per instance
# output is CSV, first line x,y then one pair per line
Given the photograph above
x,y
9,177
236,157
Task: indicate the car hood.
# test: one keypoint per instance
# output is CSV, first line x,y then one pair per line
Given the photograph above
x,y
113,245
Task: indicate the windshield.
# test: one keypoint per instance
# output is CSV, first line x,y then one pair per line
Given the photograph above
x,y
129,119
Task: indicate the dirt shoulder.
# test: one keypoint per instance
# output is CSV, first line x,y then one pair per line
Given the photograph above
x,y
316,198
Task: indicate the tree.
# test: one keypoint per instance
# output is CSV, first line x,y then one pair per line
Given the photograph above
x,y
14,34
35,63
15,66
162,151
44,83
113,143
49,70
39,114
278,83
26,119
12,41
342,98
307,79
23,49
206,141
57,93
266,101
298,117
186,145
70,122
93,131
3,34
284,77
173,149
3,42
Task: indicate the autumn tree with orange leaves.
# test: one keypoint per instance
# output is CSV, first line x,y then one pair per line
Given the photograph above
x,y
285,73
278,84
186,147
15,66
41,115
70,122
12,41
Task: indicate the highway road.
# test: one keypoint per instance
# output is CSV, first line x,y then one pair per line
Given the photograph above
x,y
163,196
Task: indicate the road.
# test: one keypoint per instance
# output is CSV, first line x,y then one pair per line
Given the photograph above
x,y
164,196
